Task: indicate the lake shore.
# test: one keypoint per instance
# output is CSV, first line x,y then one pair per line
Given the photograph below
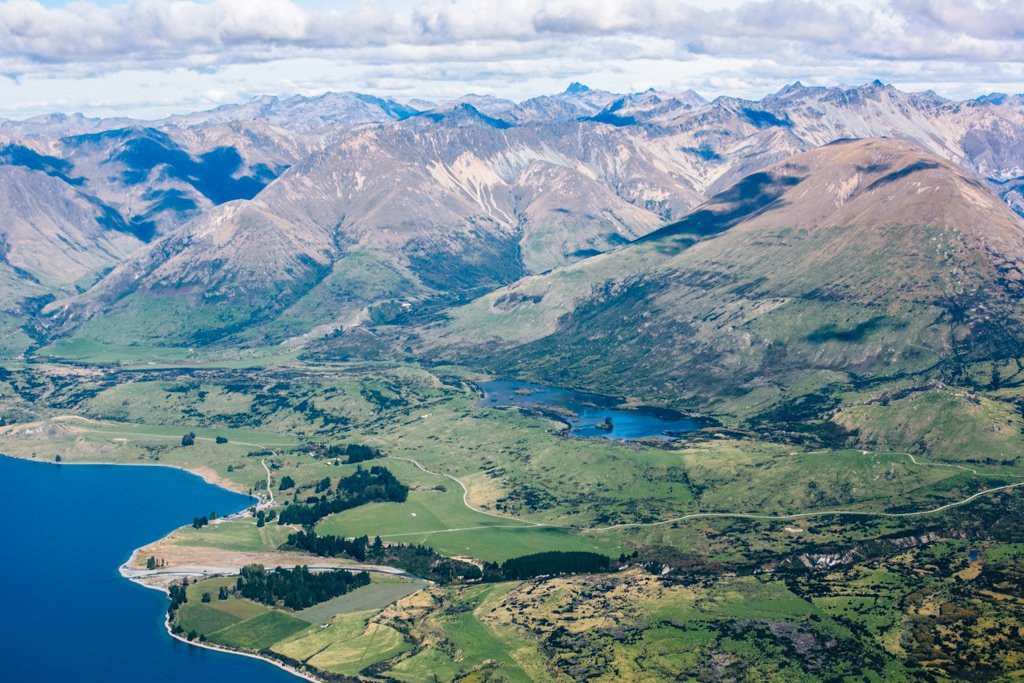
x,y
588,415
118,509
125,570
210,646
206,474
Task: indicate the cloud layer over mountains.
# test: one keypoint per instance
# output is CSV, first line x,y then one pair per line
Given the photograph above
x,y
427,47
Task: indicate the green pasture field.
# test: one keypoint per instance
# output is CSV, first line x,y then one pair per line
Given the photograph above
x,y
440,520
343,628
235,535
203,618
472,643
81,349
376,596
208,617
497,544
195,591
260,631
428,508
246,438
347,646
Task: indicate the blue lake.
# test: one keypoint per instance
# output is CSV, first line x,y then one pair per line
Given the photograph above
x,y
65,612
585,412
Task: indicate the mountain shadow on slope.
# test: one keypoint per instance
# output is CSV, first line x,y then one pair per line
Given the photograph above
x,y
17,155
743,200
212,174
846,274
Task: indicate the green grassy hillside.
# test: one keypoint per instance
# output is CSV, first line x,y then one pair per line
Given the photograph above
x,y
848,267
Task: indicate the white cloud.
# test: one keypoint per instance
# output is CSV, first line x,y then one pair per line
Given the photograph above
x,y
449,46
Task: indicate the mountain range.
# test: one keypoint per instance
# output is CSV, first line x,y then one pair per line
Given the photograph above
x,y
769,354
306,221
856,264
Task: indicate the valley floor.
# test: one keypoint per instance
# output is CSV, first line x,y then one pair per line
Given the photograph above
x,y
730,558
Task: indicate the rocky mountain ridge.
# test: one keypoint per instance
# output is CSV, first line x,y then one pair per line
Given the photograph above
x,y
343,206
856,262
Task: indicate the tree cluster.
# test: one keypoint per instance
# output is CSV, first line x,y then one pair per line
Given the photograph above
x,y
355,453
350,454
551,563
418,560
330,546
428,564
178,595
297,588
200,522
362,486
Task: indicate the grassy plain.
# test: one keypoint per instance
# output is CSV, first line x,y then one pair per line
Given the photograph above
x,y
231,535
378,595
436,516
261,631
209,617
515,464
741,599
201,618
348,645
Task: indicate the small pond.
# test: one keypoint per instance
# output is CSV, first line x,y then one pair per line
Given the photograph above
x,y
588,415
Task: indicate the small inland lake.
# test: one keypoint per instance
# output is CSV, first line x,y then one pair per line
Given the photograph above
x,y
588,415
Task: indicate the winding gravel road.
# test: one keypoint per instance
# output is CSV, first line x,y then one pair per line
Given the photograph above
x,y
698,515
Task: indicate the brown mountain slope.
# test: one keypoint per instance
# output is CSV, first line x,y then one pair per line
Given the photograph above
x,y
388,216
56,235
854,262
418,213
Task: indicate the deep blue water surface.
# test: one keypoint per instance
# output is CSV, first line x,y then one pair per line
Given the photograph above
x,y
65,612
586,411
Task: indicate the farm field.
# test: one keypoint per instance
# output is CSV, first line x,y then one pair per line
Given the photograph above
x,y
231,535
261,631
350,644
376,596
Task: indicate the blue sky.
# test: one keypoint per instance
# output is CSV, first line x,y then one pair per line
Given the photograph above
x,y
149,58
